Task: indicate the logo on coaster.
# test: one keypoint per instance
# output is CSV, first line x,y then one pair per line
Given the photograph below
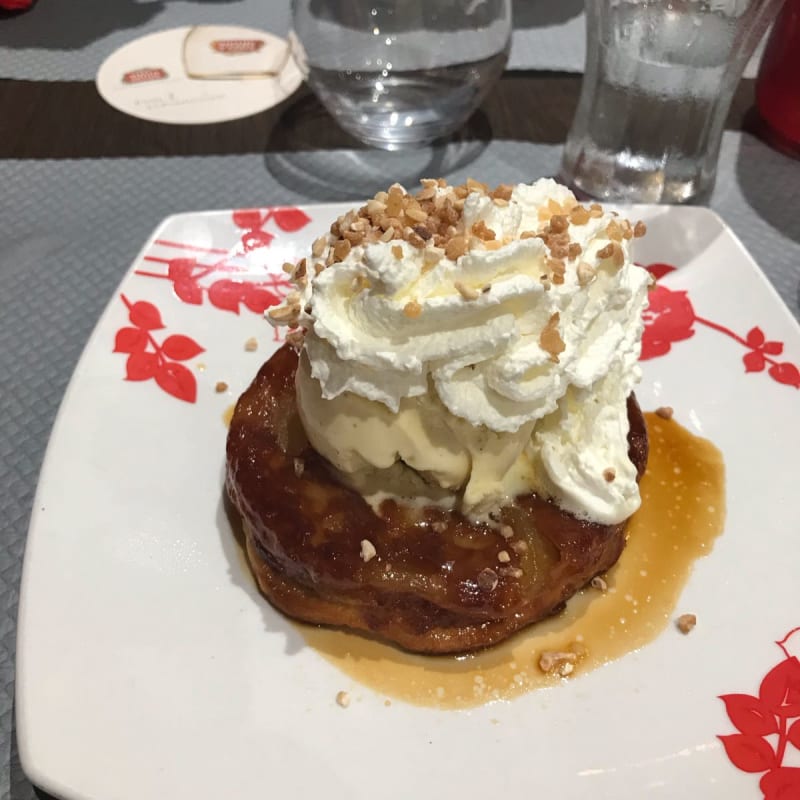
x,y
144,74
236,46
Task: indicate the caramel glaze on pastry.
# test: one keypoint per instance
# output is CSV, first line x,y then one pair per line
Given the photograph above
x,y
436,582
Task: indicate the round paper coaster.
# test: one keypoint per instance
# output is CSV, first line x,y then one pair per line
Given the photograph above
x,y
201,74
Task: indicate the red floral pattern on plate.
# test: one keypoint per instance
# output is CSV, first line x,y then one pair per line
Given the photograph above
x,y
671,318
187,273
768,725
148,359
253,221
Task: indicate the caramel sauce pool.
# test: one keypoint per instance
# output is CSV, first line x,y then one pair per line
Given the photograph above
x,y
682,512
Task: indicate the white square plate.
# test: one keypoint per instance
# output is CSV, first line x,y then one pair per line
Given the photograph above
x,y
149,666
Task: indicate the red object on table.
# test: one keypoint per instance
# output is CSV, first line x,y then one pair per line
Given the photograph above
x,y
778,83
15,5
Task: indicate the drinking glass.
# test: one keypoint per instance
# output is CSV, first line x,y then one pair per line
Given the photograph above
x,y
657,86
401,73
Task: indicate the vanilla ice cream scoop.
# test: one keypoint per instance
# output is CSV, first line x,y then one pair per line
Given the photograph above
x,y
464,346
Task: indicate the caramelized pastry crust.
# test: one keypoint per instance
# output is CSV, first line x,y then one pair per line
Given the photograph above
x,y
428,580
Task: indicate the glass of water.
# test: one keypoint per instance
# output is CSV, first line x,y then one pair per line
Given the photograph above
x,y
401,73
657,86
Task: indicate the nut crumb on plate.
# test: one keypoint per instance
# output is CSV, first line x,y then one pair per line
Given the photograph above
x,y
251,344
599,583
220,387
342,699
686,623
557,662
665,412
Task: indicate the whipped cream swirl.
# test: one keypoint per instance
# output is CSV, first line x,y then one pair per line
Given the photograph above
x,y
537,351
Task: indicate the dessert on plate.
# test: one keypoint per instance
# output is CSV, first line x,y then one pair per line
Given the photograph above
x,y
448,446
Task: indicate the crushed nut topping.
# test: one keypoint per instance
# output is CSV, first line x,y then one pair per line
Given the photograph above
x,y
283,314
431,221
299,466
412,309
599,583
483,231
686,623
609,474
475,186
488,580
519,546
557,268
467,292
627,228
431,258
612,250
506,531
368,551
318,248
639,229
503,557
220,387
550,339
579,215
614,231
665,412
341,247
606,252
456,247
502,192
422,232
439,526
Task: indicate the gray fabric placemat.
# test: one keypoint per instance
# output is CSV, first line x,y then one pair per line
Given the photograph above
x,y
71,229
60,40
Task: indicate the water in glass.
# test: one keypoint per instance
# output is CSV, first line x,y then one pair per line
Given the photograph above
x,y
658,83
399,74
